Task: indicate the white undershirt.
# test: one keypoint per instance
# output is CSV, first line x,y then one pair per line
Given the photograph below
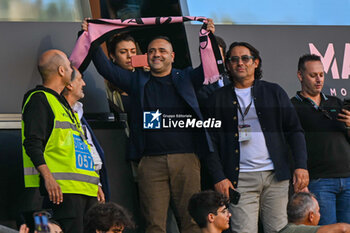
x,y
254,155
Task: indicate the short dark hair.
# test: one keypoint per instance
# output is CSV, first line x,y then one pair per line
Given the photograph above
x,y
299,205
221,43
254,52
305,58
104,216
203,203
115,40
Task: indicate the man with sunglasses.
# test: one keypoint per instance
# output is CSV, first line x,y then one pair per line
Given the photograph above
x,y
55,147
251,147
327,129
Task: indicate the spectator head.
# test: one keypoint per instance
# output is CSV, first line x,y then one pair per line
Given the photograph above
x,y
303,208
54,66
310,74
160,56
209,210
74,91
222,46
108,217
120,50
243,61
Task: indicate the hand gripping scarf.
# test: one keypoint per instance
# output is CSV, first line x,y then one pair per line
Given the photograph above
x,y
101,29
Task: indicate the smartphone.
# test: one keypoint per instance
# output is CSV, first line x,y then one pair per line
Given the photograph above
x,y
234,196
139,60
41,222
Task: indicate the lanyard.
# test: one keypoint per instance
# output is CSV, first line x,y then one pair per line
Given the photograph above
x,y
318,108
73,119
247,108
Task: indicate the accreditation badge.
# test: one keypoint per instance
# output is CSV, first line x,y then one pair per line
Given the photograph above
x,y
83,156
244,132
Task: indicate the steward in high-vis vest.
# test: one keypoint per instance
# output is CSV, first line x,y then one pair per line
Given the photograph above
x,y
66,153
56,156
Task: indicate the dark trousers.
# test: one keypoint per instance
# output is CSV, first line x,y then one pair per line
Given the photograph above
x,y
70,213
168,177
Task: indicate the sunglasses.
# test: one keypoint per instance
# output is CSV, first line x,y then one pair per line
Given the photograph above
x,y
245,59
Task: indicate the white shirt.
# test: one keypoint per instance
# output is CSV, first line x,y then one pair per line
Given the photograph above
x,y
254,155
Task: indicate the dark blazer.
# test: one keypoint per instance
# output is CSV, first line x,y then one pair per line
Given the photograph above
x,y
279,123
185,81
103,171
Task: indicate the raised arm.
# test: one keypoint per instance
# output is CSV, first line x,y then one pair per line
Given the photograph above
x,y
197,74
113,73
119,77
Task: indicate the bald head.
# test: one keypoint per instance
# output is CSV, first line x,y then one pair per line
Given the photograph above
x,y
49,63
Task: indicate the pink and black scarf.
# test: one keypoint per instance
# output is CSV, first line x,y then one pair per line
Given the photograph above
x,y
100,30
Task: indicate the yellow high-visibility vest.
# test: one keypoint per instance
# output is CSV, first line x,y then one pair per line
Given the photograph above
x,y
67,154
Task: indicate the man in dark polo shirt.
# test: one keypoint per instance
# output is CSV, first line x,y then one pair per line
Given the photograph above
x,y
327,128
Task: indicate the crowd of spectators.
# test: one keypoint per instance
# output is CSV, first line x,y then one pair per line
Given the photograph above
x,y
263,135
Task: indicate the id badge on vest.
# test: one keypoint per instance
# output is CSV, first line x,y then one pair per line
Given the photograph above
x,y
83,156
244,132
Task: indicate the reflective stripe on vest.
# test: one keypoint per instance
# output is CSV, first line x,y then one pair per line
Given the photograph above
x,y
28,171
61,153
66,125
76,177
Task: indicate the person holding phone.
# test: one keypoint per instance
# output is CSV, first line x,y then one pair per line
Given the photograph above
x,y
39,221
52,226
327,129
121,48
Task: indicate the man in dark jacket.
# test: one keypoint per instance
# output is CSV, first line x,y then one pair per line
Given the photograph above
x,y
251,153
73,92
168,167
